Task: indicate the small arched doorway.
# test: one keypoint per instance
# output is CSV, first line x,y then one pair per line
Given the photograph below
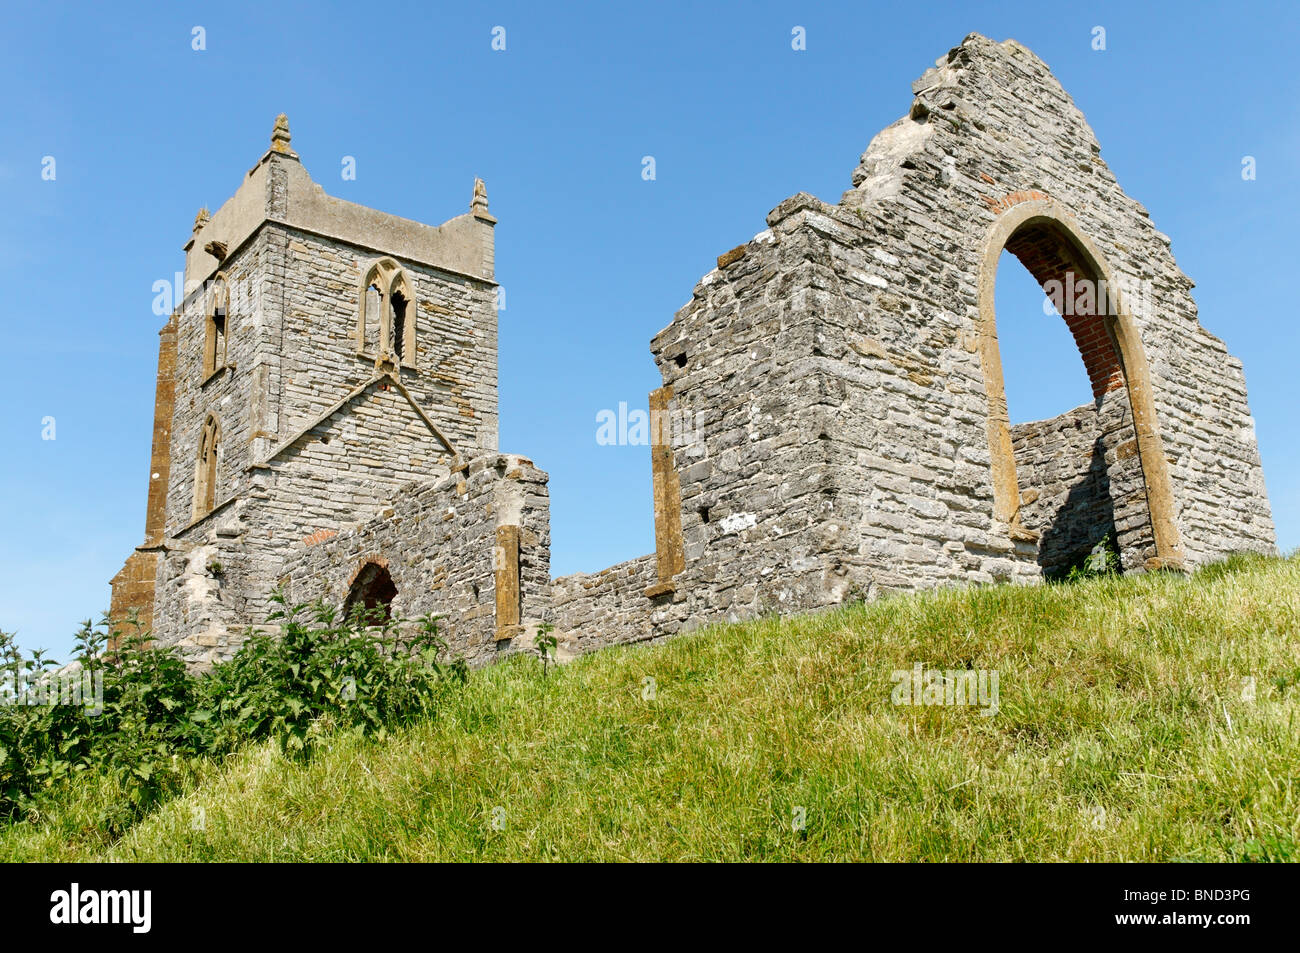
x,y
1099,471
371,594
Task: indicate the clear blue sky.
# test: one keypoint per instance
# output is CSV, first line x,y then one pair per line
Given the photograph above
x,y
594,259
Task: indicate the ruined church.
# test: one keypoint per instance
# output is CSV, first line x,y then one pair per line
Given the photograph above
x,y
326,402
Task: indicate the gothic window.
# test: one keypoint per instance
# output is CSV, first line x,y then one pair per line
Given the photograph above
x,y
217,327
205,479
386,319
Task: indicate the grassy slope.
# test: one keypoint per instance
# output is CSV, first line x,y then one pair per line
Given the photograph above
x,y
1119,694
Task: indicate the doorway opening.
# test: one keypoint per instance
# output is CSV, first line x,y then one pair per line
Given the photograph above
x,y
1072,487
371,594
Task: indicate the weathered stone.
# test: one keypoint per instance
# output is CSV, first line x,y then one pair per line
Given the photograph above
x,y
877,318
838,377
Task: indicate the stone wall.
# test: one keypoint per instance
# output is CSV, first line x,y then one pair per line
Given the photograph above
x,y
205,583
1082,485
454,372
438,541
610,607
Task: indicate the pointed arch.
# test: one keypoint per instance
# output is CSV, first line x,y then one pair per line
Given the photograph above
x,y
386,313
401,319
1045,237
372,296
216,325
207,467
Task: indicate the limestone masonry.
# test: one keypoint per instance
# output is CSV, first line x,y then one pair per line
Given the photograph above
x,y
832,422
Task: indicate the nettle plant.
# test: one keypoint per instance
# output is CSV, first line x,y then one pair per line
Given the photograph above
x,y
1102,560
545,643
142,712
150,717
327,670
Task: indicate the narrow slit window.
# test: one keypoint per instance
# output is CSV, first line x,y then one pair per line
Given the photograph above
x,y
217,328
399,325
205,481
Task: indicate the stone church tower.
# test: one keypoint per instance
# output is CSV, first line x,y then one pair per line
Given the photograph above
x,y
324,354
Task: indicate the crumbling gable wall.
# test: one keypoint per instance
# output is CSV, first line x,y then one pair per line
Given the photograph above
x,y
842,374
994,154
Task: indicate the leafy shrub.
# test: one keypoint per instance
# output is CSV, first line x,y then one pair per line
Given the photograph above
x,y
147,716
354,669
139,711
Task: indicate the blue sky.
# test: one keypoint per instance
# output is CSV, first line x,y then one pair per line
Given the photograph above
x,y
594,259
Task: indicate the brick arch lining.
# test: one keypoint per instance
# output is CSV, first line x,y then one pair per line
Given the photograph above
x,y
370,559
1056,264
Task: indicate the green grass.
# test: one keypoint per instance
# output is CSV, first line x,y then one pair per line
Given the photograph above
x,y
1118,694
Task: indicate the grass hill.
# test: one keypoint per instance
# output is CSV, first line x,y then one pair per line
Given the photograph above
x,y
1152,717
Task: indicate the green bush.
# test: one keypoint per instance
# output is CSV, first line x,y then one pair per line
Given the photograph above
x,y
147,717
354,670
139,713
1102,560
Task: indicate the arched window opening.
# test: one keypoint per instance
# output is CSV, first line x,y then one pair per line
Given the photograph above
x,y
386,318
374,304
371,595
1078,293
1074,487
205,480
1041,365
398,304
217,327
